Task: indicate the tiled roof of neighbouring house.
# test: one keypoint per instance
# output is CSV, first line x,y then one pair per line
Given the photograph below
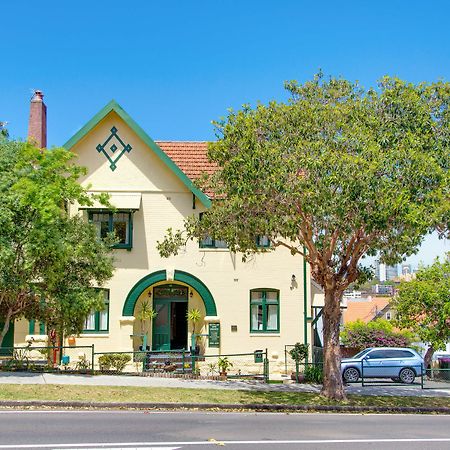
x,y
190,157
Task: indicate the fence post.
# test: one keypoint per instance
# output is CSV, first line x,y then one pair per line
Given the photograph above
x,y
422,375
266,368
296,370
92,359
362,372
182,359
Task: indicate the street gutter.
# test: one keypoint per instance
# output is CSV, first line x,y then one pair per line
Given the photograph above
x,y
260,407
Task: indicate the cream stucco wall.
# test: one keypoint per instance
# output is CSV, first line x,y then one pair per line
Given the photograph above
x,y
165,203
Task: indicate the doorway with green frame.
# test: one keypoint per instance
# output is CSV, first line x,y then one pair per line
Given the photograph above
x,y
170,302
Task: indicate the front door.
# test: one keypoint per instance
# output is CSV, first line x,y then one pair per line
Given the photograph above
x,y
161,326
170,324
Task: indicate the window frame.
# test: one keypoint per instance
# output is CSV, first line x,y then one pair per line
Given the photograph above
x,y
96,315
127,246
264,303
213,245
258,241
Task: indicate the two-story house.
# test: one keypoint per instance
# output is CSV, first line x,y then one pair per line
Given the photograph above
x,y
266,302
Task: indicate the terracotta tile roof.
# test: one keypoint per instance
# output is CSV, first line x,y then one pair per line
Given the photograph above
x,y
364,310
190,157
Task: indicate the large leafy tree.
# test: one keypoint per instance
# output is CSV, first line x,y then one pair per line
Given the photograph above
x,y
49,261
335,174
423,306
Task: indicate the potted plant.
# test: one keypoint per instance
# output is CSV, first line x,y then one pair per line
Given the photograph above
x,y
146,313
299,353
224,364
194,316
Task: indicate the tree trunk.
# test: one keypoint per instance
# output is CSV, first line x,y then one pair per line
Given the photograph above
x,y
333,386
428,356
5,326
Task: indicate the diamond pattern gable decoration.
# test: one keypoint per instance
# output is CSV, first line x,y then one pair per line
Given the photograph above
x,y
102,148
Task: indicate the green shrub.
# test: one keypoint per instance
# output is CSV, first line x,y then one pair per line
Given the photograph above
x,y
377,333
117,361
299,353
313,374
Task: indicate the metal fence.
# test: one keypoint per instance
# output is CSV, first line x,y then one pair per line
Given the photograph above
x,y
48,359
254,366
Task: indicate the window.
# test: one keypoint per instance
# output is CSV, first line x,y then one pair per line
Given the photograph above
x,y
399,354
378,354
208,242
388,316
98,321
262,241
118,222
264,311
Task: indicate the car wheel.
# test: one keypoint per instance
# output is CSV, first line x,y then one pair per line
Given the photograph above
x,y
407,375
351,375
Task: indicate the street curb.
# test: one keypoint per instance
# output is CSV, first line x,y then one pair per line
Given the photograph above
x,y
223,406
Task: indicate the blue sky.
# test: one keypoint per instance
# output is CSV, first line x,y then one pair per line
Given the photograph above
x,y
177,65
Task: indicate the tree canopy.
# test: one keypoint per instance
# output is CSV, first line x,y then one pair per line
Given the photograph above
x,y
335,174
376,333
49,261
423,306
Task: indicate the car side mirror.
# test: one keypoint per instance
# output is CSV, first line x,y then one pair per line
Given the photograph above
x,y
366,358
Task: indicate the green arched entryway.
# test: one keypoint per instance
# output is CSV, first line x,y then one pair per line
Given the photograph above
x,y
160,275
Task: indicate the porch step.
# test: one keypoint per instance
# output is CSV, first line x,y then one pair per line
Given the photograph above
x,y
161,362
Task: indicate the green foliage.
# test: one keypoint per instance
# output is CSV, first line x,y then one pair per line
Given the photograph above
x,y
300,352
194,316
340,171
49,261
377,333
116,361
224,364
423,304
313,374
82,364
145,313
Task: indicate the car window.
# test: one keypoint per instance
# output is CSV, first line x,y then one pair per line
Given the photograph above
x,y
377,354
363,352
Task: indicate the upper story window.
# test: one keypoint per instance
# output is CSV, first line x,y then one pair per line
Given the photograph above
x,y
98,321
212,243
264,311
120,223
209,242
262,241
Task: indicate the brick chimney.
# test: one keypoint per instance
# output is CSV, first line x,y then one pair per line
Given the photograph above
x,y
37,125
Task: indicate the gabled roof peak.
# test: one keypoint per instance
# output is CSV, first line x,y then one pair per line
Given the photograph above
x,y
114,106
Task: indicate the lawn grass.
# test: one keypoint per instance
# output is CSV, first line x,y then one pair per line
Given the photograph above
x,y
181,395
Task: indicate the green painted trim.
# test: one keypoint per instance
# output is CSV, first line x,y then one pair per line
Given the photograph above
x,y
128,246
200,287
263,303
96,329
114,106
138,288
31,324
305,301
42,328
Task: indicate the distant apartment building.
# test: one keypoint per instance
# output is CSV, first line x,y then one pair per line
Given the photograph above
x,y
382,289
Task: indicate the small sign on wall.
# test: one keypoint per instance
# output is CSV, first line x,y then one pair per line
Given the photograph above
x,y
214,335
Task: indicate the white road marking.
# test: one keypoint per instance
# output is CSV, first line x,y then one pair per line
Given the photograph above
x,y
146,445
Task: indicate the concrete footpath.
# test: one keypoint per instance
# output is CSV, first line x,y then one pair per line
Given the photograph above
x,y
432,390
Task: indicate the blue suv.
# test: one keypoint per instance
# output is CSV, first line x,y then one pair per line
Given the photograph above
x,y
399,364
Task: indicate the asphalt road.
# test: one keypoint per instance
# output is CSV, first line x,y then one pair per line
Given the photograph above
x,y
201,430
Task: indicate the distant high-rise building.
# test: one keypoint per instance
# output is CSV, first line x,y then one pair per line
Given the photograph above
x,y
391,272
384,272
406,269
